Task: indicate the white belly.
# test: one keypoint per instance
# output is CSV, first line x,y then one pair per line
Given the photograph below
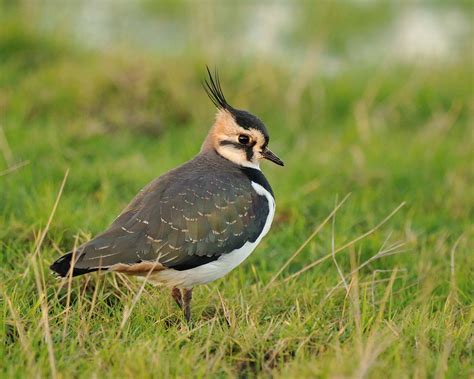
x,y
224,264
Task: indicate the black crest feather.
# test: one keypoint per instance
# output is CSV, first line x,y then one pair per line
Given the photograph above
x,y
246,120
213,88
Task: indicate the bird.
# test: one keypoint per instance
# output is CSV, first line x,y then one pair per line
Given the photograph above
x,y
197,222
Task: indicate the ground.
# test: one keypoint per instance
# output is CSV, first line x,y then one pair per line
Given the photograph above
x,y
366,272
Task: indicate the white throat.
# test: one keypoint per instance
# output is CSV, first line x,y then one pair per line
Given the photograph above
x,y
256,166
235,157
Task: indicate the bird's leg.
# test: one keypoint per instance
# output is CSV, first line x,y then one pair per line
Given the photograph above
x,y
176,293
187,296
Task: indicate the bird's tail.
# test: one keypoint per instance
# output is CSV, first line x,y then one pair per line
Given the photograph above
x,y
63,265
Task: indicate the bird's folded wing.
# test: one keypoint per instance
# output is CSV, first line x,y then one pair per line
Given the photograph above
x,y
180,226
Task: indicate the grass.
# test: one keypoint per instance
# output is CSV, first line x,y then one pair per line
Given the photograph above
x,y
367,271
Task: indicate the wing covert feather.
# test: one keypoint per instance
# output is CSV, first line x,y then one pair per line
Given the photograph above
x,y
181,223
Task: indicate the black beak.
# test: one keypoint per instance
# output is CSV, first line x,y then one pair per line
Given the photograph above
x,y
267,154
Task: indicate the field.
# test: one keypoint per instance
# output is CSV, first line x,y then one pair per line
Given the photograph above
x,y
368,269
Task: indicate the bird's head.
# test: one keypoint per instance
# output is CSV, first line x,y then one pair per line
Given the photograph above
x,y
236,135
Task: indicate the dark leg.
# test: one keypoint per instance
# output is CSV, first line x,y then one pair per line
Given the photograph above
x,y
187,296
176,293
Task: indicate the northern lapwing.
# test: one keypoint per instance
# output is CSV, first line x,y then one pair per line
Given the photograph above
x,y
197,222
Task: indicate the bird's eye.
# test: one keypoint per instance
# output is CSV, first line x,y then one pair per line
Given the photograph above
x,y
243,139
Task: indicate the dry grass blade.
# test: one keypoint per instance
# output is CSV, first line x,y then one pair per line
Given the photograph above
x,y
450,312
94,298
14,168
128,310
21,332
383,252
366,234
69,289
333,251
308,240
45,319
39,279
386,295
48,224
225,309
452,265
354,297
378,340
5,147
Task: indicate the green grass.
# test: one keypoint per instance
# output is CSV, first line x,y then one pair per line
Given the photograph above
x,y
386,135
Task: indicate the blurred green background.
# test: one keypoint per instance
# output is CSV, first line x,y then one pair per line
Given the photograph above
x,y
372,98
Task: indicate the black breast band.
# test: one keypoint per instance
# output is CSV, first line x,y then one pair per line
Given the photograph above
x,y
256,176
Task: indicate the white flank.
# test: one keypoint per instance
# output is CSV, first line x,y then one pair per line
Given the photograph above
x,y
224,264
